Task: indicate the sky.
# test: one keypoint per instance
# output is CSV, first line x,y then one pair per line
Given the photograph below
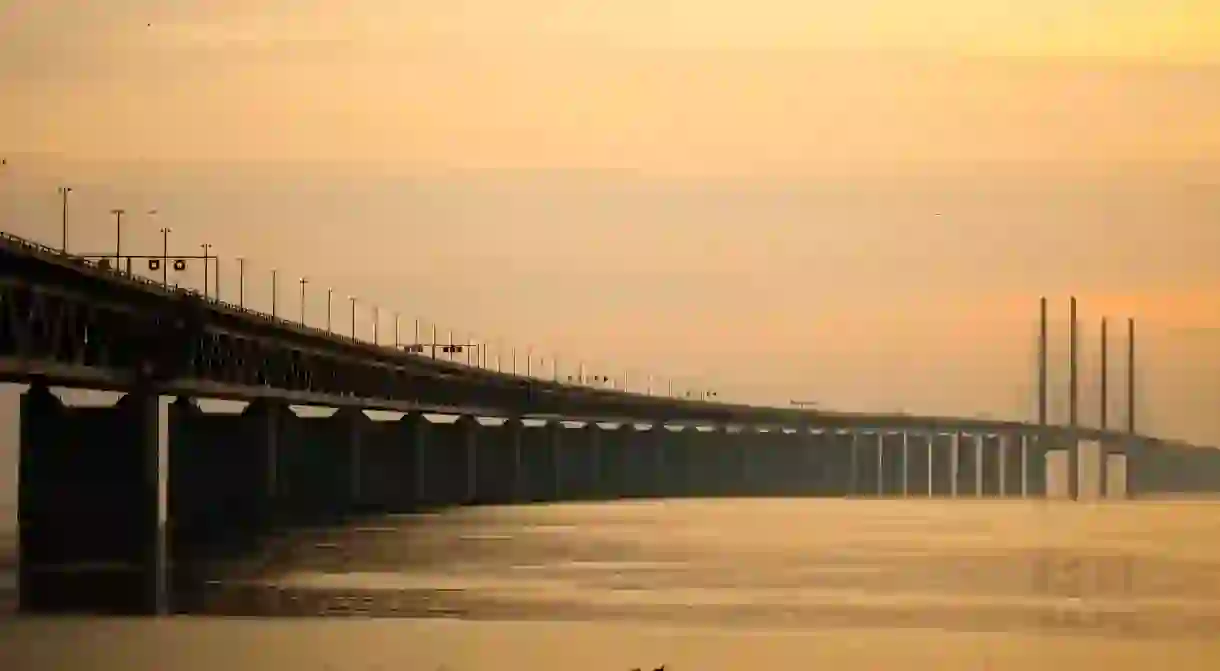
x,y
855,203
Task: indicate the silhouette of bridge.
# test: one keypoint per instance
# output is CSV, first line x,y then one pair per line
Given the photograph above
x,y
97,533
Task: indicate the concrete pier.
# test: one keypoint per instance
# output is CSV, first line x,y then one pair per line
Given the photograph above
x,y
446,462
1012,466
967,472
867,466
538,481
318,465
89,517
389,453
942,464
989,464
497,462
835,450
892,468
919,464
1035,465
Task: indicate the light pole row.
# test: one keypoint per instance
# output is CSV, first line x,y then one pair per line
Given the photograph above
x,y
476,352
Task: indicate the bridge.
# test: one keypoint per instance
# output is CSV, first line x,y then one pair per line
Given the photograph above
x,y
97,533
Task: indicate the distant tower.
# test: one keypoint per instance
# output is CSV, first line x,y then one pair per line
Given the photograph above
x,y
1104,399
1042,360
1072,355
1131,376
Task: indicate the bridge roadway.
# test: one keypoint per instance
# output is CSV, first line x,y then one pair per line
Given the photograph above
x,y
96,533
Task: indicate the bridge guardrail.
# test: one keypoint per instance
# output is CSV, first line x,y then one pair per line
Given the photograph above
x,y
557,393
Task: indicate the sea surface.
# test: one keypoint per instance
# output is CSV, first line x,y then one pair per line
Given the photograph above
x,y
698,585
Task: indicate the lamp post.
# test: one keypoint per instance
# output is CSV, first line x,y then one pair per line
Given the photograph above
x,y
118,235
274,290
205,247
376,323
304,281
165,231
353,300
396,330
241,282
330,299
63,192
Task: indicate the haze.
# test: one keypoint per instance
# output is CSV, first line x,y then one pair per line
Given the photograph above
x,y
857,203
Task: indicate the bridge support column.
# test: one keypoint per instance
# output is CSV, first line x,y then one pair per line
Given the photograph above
x,y
317,462
1134,466
853,481
906,464
576,461
387,460
414,431
1012,465
611,452
676,459
468,454
224,483
496,460
636,462
513,430
1073,469
446,465
539,468
835,463
816,455
1035,465
919,464
943,454
1103,471
89,517
891,465
969,473
867,469
990,465
722,470
740,447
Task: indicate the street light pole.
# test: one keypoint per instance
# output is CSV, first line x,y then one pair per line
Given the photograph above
x,y
353,300
304,281
118,236
63,192
241,282
376,321
330,299
274,290
205,247
165,231
395,330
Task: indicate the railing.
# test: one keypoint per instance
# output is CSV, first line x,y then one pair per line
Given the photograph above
x,y
38,249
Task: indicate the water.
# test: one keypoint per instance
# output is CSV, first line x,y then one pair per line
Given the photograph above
x,y
699,585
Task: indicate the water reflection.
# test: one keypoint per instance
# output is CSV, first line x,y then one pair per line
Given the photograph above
x,y
974,566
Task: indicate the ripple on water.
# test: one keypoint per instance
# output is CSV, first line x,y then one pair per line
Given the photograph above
x,y
1134,569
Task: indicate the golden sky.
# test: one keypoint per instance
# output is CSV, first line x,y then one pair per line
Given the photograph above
x,y
792,198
